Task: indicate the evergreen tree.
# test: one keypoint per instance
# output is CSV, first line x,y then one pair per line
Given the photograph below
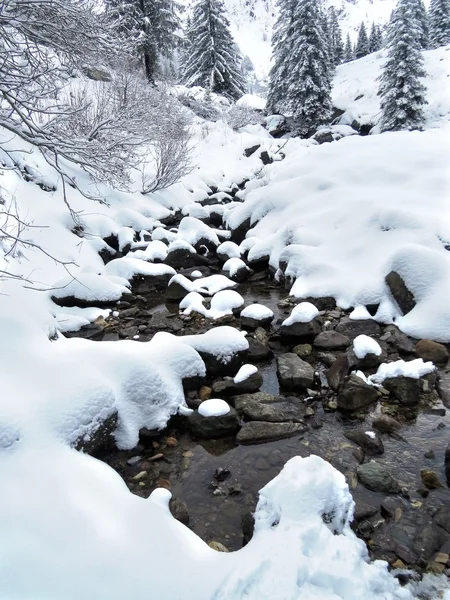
x,y
282,38
214,60
151,24
309,86
335,37
348,52
374,39
362,45
421,16
402,93
439,23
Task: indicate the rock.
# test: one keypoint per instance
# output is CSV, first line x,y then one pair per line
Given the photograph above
x,y
239,402
163,320
242,273
176,291
302,350
375,477
427,541
256,432
352,328
399,340
266,159
294,373
250,323
100,434
179,510
386,424
133,461
215,366
443,388
171,442
248,527
249,151
372,444
370,360
356,394
404,389
227,387
442,518
390,506
447,464
150,283
364,511
338,371
183,258
302,331
400,292
238,234
213,427
205,393
97,74
331,340
275,412
430,479
217,546
429,350
258,351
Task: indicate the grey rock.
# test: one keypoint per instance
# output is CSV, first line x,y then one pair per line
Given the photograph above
x,y
164,321
356,394
227,387
404,389
364,511
302,331
274,412
433,351
403,297
258,351
338,371
331,340
256,432
294,373
400,341
145,284
370,444
352,328
242,274
386,424
100,434
389,506
250,323
216,367
375,477
179,510
447,464
442,518
427,541
97,74
182,258
443,388
213,427
240,401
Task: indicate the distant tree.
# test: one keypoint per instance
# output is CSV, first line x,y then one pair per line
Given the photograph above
x,y
335,38
421,16
401,90
282,43
439,23
348,51
213,59
375,40
362,44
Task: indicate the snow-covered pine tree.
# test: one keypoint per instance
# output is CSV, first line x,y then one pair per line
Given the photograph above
x,y
152,24
282,38
421,16
362,45
374,39
309,81
348,51
401,90
439,23
214,59
335,37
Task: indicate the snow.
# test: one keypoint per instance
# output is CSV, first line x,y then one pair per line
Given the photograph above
x,y
181,245
252,101
224,302
371,434
414,368
360,313
193,302
213,408
222,342
127,268
205,285
193,231
89,287
72,318
196,274
244,373
230,249
257,311
364,345
301,313
155,250
233,265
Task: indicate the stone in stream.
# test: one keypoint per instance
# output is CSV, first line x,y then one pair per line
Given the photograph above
x,y
294,373
145,284
100,434
163,320
351,328
331,340
356,394
257,432
302,332
432,351
443,388
399,340
427,541
239,402
364,511
404,389
257,351
273,412
403,297
227,387
377,478
369,441
386,424
338,371
213,427
182,258
430,480
447,464
179,510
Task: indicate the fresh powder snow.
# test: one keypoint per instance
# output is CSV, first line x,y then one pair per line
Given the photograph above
x,y
213,408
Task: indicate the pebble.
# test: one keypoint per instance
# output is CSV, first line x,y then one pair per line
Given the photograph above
x,y
430,479
156,457
188,454
131,462
171,442
139,476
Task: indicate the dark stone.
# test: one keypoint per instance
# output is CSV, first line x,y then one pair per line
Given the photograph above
x,y
249,151
238,234
215,219
257,432
179,510
376,478
110,336
213,427
302,332
265,158
323,137
331,340
371,445
442,518
294,373
239,402
257,351
447,464
146,284
404,389
364,511
227,387
97,74
433,351
100,435
400,341
242,274
338,371
386,424
163,320
182,258
248,527
352,328
276,412
217,368
389,505
176,291
400,292
427,541
356,394
250,323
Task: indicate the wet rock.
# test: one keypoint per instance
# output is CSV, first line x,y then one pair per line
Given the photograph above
x,y
241,274
364,511
215,366
257,432
239,402
369,441
302,350
227,387
430,479
249,151
403,297
302,332
331,340
258,351
100,434
238,234
250,323
443,388
427,541
165,321
377,478
352,329
248,527
433,351
221,474
338,371
294,373
183,258
391,506
442,518
128,332
275,412
179,510
110,336
205,393
386,424
147,284
400,341
370,360
213,427
404,389
356,394
134,460
217,546
176,291
447,464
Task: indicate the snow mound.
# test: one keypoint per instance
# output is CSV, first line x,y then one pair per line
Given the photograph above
x,y
258,312
193,302
223,303
233,265
302,313
363,345
252,101
244,373
193,231
155,250
230,249
90,287
127,268
400,368
213,408
222,342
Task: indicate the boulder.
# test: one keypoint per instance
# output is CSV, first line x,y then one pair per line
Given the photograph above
x,y
364,511
242,273
227,387
213,427
294,373
430,480
256,432
386,424
257,351
433,351
97,74
369,441
274,412
302,332
404,389
403,297
399,340
356,394
427,541
183,258
249,151
331,340
352,328
179,510
100,434
145,284
338,371
163,320
375,477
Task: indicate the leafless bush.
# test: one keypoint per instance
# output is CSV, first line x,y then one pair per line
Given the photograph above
x,y
240,116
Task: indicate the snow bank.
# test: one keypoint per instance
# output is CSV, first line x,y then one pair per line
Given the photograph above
x,y
252,101
302,313
223,342
364,345
90,287
127,268
213,408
